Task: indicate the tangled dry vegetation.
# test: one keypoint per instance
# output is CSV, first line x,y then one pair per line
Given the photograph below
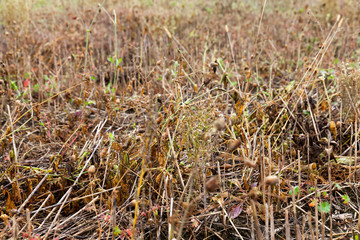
x,y
179,119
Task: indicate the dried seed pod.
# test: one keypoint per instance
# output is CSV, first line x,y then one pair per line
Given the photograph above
x,y
293,152
254,192
329,150
212,184
311,167
220,124
271,180
226,166
207,137
249,163
233,145
91,169
133,203
190,206
213,66
233,118
103,153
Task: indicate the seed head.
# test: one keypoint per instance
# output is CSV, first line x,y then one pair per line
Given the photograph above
x,y
212,184
271,180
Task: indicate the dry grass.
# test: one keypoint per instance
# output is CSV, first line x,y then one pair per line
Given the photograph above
x,y
179,119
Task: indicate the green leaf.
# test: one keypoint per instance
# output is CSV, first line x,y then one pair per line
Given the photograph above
x,y
306,112
89,102
233,83
345,160
116,167
209,10
110,59
118,61
294,191
112,137
193,34
36,87
85,154
346,199
290,86
324,207
221,63
13,85
117,231
337,186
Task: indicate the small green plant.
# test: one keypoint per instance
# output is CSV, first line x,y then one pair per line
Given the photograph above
x,y
36,87
14,86
346,199
174,71
41,123
117,231
112,137
324,207
338,187
312,189
89,102
116,62
85,154
294,191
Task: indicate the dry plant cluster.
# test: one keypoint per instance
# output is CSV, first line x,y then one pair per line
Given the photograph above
x,y
152,119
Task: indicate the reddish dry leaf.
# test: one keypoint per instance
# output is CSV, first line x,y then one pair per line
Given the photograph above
x,y
158,178
16,192
161,160
194,223
239,106
235,211
9,205
333,129
26,83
